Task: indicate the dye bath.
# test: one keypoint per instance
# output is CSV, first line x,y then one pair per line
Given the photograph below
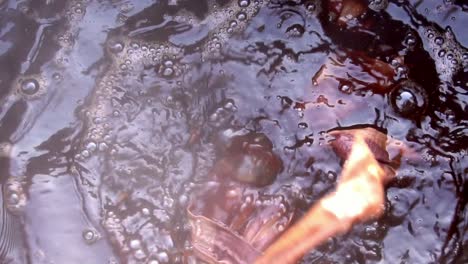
x,y
113,112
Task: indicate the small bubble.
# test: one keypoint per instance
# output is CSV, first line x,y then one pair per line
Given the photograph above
x,y
230,106
145,211
346,89
167,72
244,3
311,7
331,176
56,76
135,46
139,254
302,125
91,146
163,257
410,41
90,236
441,53
29,86
135,244
241,16
439,41
123,67
85,154
103,146
378,5
168,63
183,200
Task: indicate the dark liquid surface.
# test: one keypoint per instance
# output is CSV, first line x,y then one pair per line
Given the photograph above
x,y
113,112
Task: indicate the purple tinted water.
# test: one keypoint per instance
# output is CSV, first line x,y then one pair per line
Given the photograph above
x,y
113,112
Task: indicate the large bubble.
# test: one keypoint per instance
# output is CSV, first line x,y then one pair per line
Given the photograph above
x,y
409,99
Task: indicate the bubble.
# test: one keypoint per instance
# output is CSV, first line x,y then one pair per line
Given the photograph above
x,y
331,175
135,244
163,257
311,7
409,99
91,147
280,228
167,72
378,5
183,200
145,211
29,86
410,40
439,41
346,88
123,67
441,53
168,63
302,125
139,254
244,3
85,154
241,16
230,105
135,45
103,146
56,76
90,236
15,198
153,261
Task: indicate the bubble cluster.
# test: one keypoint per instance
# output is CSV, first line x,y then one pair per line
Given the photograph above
x,y
169,69
222,114
446,52
139,74
295,30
